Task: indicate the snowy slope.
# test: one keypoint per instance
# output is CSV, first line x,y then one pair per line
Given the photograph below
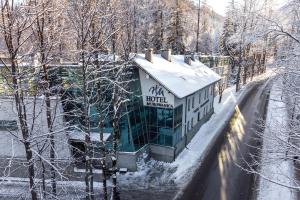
x,y
274,168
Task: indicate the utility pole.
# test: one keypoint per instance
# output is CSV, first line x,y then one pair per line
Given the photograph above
x,y
176,27
161,26
134,27
198,28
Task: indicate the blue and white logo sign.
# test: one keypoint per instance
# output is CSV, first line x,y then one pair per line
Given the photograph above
x,y
157,91
157,97
154,94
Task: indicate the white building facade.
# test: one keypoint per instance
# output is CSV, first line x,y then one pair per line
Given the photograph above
x,y
178,92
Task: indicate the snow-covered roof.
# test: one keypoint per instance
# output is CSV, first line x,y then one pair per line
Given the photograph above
x,y
95,136
179,78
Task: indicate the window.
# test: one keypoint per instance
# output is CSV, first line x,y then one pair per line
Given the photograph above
x,y
8,125
212,90
207,92
193,102
189,104
192,123
198,116
188,125
178,116
165,117
200,97
160,127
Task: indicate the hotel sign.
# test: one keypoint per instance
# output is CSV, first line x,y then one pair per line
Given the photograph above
x,y
156,98
154,94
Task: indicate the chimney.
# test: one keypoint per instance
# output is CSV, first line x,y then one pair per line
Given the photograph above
x,y
149,55
188,59
166,54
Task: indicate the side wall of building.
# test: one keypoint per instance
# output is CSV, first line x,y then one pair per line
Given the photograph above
x,y
194,114
196,107
10,138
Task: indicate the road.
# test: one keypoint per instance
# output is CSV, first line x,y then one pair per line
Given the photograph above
x,y
221,176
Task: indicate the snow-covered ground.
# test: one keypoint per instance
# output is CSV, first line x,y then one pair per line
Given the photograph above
x,y
17,188
274,167
154,173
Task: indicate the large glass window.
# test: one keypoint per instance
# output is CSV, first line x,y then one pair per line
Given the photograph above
x,y
178,116
127,144
137,114
160,125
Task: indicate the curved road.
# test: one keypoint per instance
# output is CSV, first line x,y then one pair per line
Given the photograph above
x,y
220,177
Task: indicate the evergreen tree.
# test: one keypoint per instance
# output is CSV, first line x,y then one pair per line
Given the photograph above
x,y
228,29
175,39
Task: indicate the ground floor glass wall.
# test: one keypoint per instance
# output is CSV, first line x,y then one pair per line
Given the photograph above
x,y
138,129
161,130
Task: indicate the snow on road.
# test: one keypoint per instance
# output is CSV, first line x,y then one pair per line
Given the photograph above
x,y
274,167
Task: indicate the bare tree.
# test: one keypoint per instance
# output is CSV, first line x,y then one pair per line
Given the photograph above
x,y
47,31
246,40
279,133
15,24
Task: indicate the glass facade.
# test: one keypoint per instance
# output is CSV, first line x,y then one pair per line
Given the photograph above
x,y
137,128
135,112
164,125
142,125
160,125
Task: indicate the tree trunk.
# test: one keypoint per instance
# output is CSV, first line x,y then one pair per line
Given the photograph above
x,y
114,157
198,28
245,75
43,179
237,86
31,171
253,66
22,115
102,143
86,129
221,89
40,29
104,170
51,134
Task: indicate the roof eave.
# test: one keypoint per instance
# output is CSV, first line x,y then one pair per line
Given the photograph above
x,y
156,79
